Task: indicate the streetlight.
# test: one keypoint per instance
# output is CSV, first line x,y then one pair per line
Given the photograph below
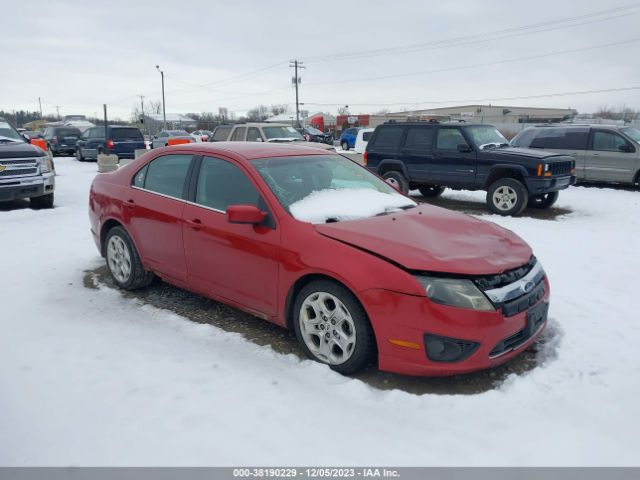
x,y
164,113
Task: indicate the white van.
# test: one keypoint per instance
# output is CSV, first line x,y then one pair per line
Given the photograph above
x,y
364,134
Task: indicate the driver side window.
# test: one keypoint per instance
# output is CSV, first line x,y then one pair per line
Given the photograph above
x,y
220,184
608,141
449,139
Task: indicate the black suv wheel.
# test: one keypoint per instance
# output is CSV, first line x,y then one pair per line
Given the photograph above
x,y
545,200
507,196
430,190
397,180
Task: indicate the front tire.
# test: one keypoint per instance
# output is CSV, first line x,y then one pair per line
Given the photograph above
x,y
333,328
79,156
345,146
430,190
124,262
544,201
397,180
507,196
43,201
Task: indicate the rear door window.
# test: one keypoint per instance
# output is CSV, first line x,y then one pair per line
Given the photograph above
x,y
419,139
560,138
167,175
388,138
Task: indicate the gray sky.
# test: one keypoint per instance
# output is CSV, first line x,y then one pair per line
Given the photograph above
x,y
81,54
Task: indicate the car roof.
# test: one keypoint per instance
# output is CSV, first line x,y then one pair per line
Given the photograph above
x,y
607,126
251,150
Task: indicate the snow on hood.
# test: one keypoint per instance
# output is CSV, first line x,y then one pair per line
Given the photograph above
x,y
346,204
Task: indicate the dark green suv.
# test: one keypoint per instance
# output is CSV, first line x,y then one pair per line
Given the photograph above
x,y
431,156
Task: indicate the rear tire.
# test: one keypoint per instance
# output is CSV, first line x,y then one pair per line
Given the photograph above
x,y
507,196
546,200
333,328
124,262
345,146
397,180
79,156
430,190
44,201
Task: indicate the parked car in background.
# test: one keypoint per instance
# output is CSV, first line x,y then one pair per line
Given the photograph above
x,y
431,156
311,241
362,138
603,153
120,140
312,134
201,135
61,140
221,133
162,139
348,138
271,132
78,121
32,134
26,171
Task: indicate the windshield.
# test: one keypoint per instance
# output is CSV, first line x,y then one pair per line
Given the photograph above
x,y
486,137
280,132
8,133
328,188
632,133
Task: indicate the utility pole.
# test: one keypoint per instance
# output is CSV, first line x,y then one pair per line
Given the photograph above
x,y
142,105
58,111
106,126
164,112
40,103
296,64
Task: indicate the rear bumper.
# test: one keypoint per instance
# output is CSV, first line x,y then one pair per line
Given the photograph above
x,y
28,187
397,316
552,184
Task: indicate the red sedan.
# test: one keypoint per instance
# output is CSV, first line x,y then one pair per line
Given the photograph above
x,y
313,241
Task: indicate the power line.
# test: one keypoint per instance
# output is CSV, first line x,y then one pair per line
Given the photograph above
x,y
477,100
623,11
477,65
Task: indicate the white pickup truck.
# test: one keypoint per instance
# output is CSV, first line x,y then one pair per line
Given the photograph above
x,y
26,171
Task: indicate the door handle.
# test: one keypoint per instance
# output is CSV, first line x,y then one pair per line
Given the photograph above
x,y
195,224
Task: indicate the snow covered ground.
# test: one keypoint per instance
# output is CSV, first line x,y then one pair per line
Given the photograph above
x,y
88,377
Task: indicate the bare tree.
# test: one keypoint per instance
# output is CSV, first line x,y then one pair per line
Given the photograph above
x,y
155,106
279,109
258,114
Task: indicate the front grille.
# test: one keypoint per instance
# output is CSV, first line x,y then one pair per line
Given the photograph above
x,y
561,168
17,172
524,302
501,279
18,167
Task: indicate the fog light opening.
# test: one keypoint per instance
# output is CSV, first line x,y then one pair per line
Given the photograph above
x,y
443,349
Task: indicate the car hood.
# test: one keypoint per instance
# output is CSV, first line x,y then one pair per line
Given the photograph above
x,y
434,239
521,152
19,150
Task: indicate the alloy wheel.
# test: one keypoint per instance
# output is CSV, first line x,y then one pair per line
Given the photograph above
x,y
327,328
505,198
119,258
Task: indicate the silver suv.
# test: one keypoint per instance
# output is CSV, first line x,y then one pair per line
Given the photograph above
x,y
603,153
271,132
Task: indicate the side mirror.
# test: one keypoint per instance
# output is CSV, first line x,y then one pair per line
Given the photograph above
x,y
463,148
626,148
245,214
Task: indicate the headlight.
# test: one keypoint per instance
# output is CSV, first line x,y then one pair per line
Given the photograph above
x,y
45,164
455,292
